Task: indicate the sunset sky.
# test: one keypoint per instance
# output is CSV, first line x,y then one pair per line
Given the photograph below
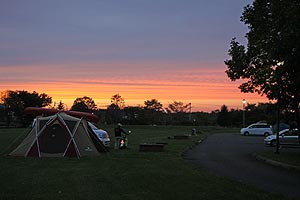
x,y
170,50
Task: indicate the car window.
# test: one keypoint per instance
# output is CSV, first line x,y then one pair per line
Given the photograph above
x,y
263,126
294,132
259,126
93,126
288,133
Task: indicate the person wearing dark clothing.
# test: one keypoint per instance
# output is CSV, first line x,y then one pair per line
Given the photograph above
x,y
119,131
118,134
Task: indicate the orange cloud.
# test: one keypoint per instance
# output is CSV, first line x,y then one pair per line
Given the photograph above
x,y
206,87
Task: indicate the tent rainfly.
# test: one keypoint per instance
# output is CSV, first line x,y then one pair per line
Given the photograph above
x,y
60,135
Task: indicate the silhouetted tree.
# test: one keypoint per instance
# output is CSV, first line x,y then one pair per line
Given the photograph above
x,y
16,101
178,107
117,101
133,115
20,99
153,104
114,113
153,110
270,64
178,111
223,116
61,105
84,104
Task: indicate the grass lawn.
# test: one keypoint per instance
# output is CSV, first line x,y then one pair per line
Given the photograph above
x,y
120,174
292,158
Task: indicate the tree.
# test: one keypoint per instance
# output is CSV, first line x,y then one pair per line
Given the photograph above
x,y
270,65
117,101
177,110
153,104
133,115
223,116
114,113
153,110
16,101
2,112
84,104
261,112
22,99
61,105
178,107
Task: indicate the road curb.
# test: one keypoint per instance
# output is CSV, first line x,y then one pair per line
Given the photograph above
x,y
188,148
276,163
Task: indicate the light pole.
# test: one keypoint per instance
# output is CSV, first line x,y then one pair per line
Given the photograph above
x,y
244,117
190,110
277,133
278,111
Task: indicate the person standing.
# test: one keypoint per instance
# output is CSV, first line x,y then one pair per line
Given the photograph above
x,y
118,134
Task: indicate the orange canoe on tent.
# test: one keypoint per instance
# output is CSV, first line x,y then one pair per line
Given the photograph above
x,y
46,111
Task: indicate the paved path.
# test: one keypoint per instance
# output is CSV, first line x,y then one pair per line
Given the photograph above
x,y
230,155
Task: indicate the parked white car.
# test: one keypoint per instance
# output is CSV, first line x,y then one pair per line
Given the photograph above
x,y
257,129
101,134
286,136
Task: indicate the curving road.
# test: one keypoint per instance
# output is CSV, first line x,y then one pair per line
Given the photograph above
x,y
230,155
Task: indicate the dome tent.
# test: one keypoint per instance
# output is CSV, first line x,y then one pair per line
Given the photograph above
x,y
60,135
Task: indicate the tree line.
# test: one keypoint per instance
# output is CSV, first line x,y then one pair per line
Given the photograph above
x,y
152,112
13,104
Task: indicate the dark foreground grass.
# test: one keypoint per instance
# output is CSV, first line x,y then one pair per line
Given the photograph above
x,y
121,174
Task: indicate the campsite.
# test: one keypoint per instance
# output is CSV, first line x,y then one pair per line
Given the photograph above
x,y
59,135
119,174
178,76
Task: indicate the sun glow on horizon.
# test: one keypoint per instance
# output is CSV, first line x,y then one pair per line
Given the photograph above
x,y
204,97
202,84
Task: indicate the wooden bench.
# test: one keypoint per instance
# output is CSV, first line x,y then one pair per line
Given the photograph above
x,y
182,137
151,147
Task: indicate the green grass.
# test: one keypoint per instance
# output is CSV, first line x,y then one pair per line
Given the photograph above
x,y
121,174
292,158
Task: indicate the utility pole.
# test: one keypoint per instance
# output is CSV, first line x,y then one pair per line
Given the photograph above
x,y
277,134
244,117
190,115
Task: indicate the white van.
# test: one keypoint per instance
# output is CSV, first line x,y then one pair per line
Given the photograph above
x,y
257,129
